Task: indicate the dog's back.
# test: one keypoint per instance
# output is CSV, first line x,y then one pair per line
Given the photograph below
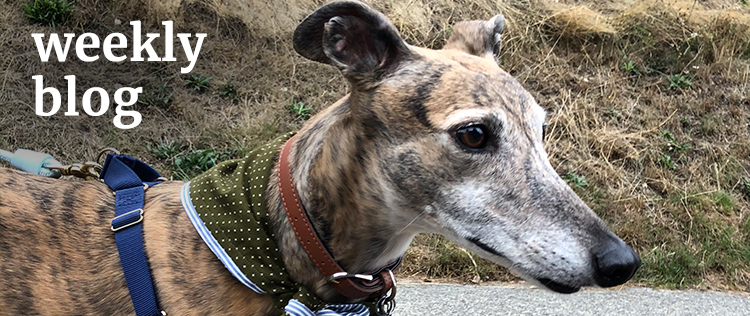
x,y
58,254
55,237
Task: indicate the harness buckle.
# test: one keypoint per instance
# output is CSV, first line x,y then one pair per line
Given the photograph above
x,y
126,220
343,275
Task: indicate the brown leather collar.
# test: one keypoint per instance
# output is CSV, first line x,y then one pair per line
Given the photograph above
x,y
353,286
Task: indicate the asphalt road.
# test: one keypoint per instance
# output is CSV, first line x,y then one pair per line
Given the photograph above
x,y
415,298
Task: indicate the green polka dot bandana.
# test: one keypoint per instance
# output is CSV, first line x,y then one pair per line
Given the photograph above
x,y
231,209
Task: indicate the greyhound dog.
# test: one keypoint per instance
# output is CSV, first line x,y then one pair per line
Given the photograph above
x,y
440,141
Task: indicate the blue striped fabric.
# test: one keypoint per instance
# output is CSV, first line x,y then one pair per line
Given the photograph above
x,y
294,307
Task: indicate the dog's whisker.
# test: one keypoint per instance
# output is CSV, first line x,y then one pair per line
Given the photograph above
x,y
412,222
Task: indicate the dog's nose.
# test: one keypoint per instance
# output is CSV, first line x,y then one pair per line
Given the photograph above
x,y
615,262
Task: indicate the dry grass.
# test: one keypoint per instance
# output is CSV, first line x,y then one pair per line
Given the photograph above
x,y
614,76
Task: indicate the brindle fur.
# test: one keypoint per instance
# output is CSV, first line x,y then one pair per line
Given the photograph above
x,y
374,169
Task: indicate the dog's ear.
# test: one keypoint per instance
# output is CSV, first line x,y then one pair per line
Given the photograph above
x,y
351,36
480,38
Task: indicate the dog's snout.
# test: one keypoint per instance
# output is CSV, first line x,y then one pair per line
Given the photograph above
x,y
615,262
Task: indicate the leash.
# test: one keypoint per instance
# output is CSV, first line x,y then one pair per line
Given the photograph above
x,y
45,165
32,162
351,285
129,178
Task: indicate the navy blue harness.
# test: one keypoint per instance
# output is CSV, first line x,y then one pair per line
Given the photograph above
x,y
129,178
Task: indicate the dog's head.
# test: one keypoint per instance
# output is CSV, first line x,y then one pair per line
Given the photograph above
x,y
458,145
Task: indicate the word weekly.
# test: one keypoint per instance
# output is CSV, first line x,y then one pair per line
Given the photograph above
x,y
87,48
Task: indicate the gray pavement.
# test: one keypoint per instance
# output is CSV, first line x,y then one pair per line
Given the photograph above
x,y
418,298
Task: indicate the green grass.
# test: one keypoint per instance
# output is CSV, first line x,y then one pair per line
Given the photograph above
x,y
629,67
724,201
673,146
229,91
680,81
166,151
672,149
575,180
717,247
300,110
48,12
674,267
718,200
723,248
677,148
666,161
198,82
159,96
186,164
195,162
745,188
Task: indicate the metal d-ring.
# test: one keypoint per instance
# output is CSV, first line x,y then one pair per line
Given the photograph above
x,y
106,151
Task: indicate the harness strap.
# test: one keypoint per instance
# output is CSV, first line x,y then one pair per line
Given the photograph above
x,y
354,286
129,178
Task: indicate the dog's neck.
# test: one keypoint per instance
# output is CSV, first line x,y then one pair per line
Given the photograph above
x,y
351,207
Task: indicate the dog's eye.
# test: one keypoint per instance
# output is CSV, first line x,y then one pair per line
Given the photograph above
x,y
473,136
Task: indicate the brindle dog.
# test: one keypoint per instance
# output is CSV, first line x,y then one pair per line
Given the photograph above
x,y
428,141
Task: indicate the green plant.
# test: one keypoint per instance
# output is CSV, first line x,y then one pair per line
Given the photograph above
x,y
630,67
190,164
48,12
678,148
199,83
300,110
160,97
723,201
667,135
576,180
666,161
680,81
673,146
164,150
721,246
229,91
675,267
745,188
